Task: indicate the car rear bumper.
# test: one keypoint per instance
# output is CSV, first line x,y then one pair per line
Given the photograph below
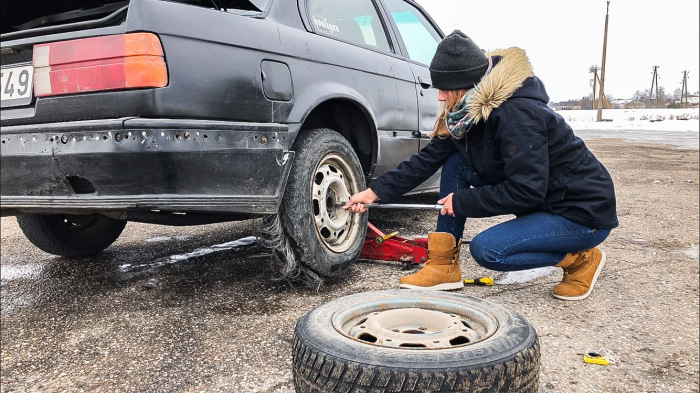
x,y
143,164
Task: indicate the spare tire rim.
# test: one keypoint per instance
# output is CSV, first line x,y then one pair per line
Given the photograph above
x,y
415,323
333,183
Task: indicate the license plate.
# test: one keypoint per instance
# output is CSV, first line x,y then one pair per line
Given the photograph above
x,y
16,87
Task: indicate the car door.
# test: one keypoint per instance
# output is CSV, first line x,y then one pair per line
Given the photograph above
x,y
367,60
418,37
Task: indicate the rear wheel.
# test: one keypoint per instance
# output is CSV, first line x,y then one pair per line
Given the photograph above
x,y
326,173
71,235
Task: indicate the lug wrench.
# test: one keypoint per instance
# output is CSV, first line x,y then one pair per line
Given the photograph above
x,y
410,206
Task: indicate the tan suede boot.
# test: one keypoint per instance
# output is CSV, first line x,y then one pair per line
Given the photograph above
x,y
441,270
581,270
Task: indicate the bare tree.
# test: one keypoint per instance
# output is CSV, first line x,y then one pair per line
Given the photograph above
x,y
641,95
676,95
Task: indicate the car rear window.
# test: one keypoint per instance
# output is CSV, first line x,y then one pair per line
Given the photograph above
x,y
245,7
32,14
239,7
355,21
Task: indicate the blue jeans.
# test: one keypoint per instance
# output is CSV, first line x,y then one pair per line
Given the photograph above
x,y
527,242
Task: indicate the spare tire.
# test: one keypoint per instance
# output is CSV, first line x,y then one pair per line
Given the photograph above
x,y
414,341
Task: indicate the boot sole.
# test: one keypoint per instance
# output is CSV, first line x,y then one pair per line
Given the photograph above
x,y
446,286
590,289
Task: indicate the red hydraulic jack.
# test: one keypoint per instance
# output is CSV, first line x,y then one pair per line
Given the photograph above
x,y
389,247
379,246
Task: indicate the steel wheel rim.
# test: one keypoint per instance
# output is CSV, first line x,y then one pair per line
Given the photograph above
x,y
414,323
334,182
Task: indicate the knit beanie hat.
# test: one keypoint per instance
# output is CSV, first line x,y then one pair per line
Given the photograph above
x,y
458,63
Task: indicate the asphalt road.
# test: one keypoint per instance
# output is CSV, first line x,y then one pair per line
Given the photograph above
x,y
197,309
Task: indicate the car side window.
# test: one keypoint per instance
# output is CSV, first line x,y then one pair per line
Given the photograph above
x,y
418,35
355,21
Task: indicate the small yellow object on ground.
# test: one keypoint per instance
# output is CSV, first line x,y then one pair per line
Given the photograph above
x,y
482,281
604,357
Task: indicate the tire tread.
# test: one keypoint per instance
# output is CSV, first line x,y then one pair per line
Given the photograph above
x,y
295,207
519,373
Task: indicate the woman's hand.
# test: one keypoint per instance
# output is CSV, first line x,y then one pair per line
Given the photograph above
x,y
446,203
357,201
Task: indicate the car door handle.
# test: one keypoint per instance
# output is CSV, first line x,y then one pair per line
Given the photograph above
x,y
425,82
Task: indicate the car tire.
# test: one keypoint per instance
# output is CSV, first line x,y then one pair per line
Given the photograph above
x,y
326,171
71,235
409,341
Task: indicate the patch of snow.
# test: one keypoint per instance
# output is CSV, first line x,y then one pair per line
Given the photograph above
x,y
637,119
664,126
193,254
692,252
10,272
215,248
522,276
679,127
160,239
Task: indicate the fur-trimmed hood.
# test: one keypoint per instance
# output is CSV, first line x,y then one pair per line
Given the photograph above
x,y
498,85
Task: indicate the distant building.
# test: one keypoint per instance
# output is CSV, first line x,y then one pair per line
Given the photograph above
x,y
621,103
692,101
618,103
635,104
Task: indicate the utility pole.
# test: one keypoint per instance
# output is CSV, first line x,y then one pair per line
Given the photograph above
x,y
601,94
654,81
684,89
594,69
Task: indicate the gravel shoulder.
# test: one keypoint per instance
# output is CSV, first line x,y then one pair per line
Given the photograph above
x,y
161,311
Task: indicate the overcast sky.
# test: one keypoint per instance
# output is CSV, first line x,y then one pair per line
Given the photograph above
x,y
564,38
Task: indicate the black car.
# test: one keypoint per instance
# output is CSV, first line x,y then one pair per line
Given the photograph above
x,y
199,111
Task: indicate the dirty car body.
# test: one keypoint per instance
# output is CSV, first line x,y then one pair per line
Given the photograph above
x,y
189,112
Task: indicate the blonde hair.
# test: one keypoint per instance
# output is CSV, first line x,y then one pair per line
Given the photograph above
x,y
447,106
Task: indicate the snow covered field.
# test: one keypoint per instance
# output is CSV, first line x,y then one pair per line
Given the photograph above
x,y
679,127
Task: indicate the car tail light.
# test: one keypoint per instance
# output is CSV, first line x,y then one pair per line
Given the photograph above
x,y
124,61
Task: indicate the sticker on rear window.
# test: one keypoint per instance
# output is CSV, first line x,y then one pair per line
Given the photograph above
x,y
326,25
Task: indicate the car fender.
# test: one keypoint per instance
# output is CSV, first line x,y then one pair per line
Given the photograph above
x,y
312,97
307,102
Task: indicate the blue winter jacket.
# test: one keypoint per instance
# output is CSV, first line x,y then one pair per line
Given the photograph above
x,y
526,154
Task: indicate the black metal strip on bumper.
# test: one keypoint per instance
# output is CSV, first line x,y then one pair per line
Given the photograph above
x,y
144,164
195,203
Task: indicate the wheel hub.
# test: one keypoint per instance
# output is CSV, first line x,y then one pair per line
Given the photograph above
x,y
331,186
414,327
407,324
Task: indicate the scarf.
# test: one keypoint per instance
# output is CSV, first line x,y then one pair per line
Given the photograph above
x,y
459,122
